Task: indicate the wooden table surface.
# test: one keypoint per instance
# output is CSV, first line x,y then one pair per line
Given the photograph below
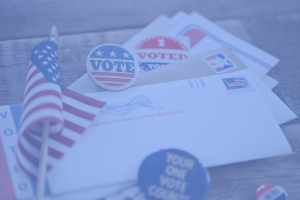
x,y
272,25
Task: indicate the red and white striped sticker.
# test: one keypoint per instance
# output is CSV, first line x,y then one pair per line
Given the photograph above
x,y
112,67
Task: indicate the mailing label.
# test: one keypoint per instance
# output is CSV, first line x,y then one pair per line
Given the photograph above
x,y
236,85
220,62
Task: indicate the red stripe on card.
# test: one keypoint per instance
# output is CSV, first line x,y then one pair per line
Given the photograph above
x,y
79,113
82,98
6,186
123,80
113,84
113,74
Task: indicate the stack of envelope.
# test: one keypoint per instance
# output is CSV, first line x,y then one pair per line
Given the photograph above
x,y
200,89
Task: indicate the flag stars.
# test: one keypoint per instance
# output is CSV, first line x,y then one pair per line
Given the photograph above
x,y
49,58
36,51
52,55
45,62
48,47
40,56
125,55
44,51
112,54
54,79
99,53
49,70
53,67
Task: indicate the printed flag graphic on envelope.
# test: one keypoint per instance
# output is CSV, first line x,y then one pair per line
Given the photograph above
x,y
219,62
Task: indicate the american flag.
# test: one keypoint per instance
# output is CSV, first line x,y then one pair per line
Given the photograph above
x,y
237,82
69,113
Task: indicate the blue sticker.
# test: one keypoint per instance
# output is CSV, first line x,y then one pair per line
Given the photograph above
x,y
112,67
173,174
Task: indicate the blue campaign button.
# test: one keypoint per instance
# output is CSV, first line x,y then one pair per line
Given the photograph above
x,y
173,174
112,67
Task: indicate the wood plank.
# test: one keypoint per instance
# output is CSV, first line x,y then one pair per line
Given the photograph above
x,y
279,36
73,50
240,180
28,19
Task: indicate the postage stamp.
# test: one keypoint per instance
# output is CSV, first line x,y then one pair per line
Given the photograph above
x,y
237,85
220,62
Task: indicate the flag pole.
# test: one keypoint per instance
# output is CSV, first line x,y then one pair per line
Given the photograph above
x,y
43,161
53,36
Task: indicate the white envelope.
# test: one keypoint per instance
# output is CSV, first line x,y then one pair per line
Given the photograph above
x,y
219,119
193,67
206,35
180,15
160,25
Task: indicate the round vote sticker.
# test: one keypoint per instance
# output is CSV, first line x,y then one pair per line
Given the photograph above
x,y
173,174
271,192
112,67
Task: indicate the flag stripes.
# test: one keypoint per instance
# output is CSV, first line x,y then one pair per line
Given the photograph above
x,y
68,112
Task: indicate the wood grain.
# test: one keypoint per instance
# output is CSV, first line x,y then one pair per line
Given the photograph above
x,y
240,180
32,18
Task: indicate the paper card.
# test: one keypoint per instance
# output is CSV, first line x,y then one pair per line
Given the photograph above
x,y
195,115
269,81
160,25
205,35
180,15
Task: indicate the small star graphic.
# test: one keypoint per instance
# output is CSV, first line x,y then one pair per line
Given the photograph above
x,y
48,47
36,51
57,76
125,55
112,53
52,55
54,79
40,56
52,66
45,63
49,58
44,51
49,70
99,53
55,53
